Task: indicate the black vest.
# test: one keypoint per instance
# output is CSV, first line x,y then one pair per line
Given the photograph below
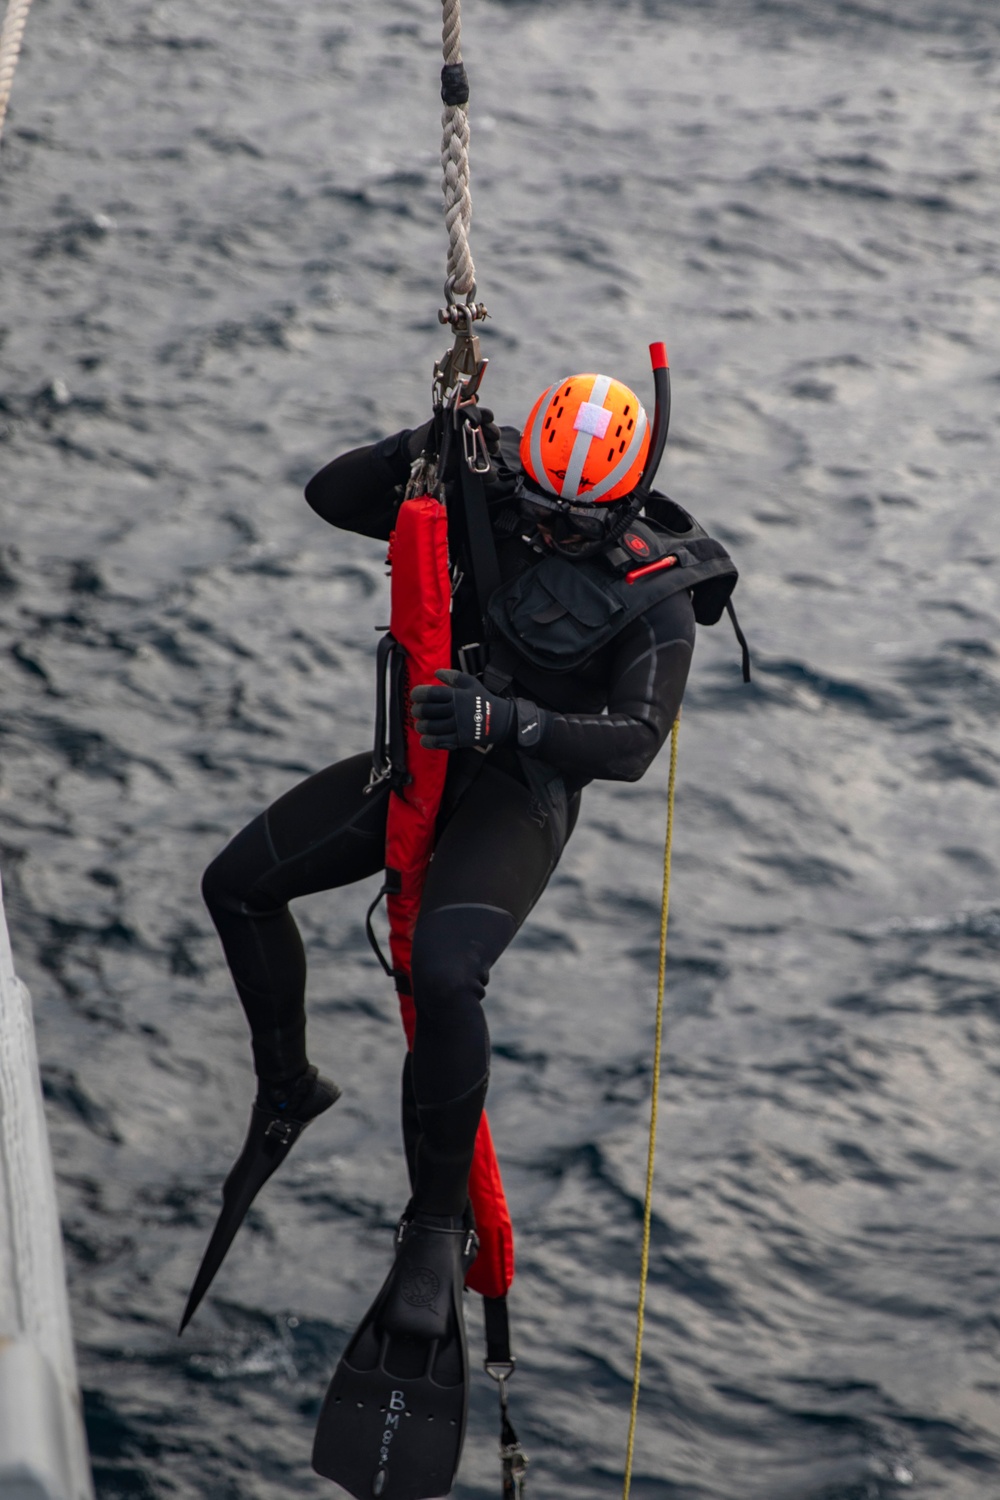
x,y
557,613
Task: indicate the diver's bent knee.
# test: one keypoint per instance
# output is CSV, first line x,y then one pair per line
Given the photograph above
x,y
219,891
232,881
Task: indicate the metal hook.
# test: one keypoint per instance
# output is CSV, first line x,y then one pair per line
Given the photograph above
x,y
474,447
461,314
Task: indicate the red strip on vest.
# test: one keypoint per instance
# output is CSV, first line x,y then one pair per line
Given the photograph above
x,y
421,622
653,567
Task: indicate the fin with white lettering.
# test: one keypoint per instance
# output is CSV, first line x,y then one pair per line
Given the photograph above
x,y
393,1420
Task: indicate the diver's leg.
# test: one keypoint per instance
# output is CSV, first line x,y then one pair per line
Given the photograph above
x,y
325,832
409,1119
490,866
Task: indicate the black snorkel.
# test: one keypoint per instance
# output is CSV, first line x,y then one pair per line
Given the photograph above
x,y
661,415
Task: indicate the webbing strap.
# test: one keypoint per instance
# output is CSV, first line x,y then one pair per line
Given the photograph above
x,y
479,533
497,1324
500,668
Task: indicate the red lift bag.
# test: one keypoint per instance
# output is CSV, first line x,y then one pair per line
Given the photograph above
x,y
420,624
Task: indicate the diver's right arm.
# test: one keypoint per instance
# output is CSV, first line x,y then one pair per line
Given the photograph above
x,y
358,490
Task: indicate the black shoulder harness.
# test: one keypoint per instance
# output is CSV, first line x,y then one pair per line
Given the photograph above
x,y
558,612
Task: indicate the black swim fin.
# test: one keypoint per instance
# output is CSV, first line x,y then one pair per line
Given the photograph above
x,y
272,1134
393,1420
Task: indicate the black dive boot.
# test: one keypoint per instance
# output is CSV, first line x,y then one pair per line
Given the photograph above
x,y
277,1119
393,1420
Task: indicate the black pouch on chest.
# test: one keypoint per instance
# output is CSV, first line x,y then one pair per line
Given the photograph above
x,y
557,613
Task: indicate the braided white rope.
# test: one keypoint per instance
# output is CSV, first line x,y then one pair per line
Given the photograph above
x,y
11,37
461,279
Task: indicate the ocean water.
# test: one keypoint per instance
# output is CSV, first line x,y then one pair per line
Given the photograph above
x,y
221,259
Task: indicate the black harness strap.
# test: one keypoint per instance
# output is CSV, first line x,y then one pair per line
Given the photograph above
x,y
741,638
497,1323
500,668
479,531
496,663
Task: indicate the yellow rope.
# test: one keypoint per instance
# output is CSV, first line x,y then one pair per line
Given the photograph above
x,y
654,1109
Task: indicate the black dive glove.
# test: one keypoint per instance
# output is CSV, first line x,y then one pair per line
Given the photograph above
x,y
417,440
461,714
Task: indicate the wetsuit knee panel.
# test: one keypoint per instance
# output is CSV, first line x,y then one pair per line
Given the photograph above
x,y
232,881
454,949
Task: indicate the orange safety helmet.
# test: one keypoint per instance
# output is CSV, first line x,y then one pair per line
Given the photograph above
x,y
587,438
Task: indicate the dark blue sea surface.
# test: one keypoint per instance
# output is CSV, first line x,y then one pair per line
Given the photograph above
x,y
221,259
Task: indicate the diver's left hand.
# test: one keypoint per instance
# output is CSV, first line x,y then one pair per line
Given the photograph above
x,y
460,714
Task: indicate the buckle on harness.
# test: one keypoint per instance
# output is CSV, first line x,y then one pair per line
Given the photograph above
x,y
376,777
472,658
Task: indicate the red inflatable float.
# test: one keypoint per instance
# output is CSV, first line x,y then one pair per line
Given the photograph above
x,y
420,626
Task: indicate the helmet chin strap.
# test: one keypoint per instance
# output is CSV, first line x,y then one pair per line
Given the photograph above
x,y
628,508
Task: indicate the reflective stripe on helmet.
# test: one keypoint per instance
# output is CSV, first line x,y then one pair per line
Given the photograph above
x,y
535,442
623,465
570,488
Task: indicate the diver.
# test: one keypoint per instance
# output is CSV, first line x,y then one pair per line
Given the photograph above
x,y
590,638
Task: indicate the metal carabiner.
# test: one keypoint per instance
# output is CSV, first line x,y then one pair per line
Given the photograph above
x,y
474,449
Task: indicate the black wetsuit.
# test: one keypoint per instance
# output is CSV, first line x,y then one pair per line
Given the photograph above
x,y
496,846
